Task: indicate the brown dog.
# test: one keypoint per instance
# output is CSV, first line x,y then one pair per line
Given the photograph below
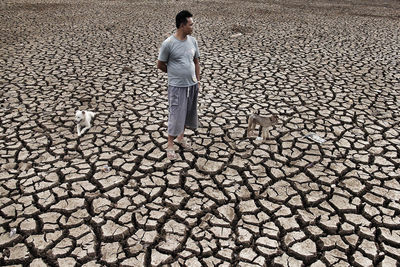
x,y
263,121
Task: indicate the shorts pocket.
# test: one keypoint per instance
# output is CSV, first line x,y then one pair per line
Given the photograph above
x,y
173,102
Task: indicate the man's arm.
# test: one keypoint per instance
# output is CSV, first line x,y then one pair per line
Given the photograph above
x,y
162,65
197,68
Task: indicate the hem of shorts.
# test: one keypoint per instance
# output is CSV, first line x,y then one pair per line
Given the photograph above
x,y
190,127
187,127
174,135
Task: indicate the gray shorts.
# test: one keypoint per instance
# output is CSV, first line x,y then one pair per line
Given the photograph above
x,y
182,102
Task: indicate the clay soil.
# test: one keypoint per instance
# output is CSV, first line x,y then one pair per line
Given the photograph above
x,y
322,190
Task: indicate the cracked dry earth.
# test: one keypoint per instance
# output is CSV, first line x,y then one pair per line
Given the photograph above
x,y
324,67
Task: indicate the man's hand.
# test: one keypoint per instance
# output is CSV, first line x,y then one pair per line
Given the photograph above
x,y
162,65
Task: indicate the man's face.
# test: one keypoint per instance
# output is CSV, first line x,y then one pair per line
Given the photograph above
x,y
188,27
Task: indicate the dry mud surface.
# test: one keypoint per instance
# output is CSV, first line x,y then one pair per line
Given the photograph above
x,y
324,67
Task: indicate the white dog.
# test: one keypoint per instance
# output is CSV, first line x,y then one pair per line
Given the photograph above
x,y
83,120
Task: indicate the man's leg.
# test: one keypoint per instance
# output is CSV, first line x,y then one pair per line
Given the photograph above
x,y
177,101
172,138
191,117
180,137
170,142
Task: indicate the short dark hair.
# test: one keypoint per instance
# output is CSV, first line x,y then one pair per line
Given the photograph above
x,y
181,17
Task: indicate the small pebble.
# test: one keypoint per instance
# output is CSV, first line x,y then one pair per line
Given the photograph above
x,y
13,231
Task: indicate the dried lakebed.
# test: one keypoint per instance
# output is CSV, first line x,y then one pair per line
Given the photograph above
x,y
322,190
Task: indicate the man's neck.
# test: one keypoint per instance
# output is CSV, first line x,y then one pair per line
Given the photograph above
x,y
180,35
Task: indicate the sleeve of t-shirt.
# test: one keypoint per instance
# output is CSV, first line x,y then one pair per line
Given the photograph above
x,y
197,52
164,52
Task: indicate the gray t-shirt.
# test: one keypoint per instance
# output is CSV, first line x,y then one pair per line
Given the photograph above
x,y
179,57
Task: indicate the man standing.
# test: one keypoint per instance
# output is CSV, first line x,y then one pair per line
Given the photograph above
x,y
179,57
